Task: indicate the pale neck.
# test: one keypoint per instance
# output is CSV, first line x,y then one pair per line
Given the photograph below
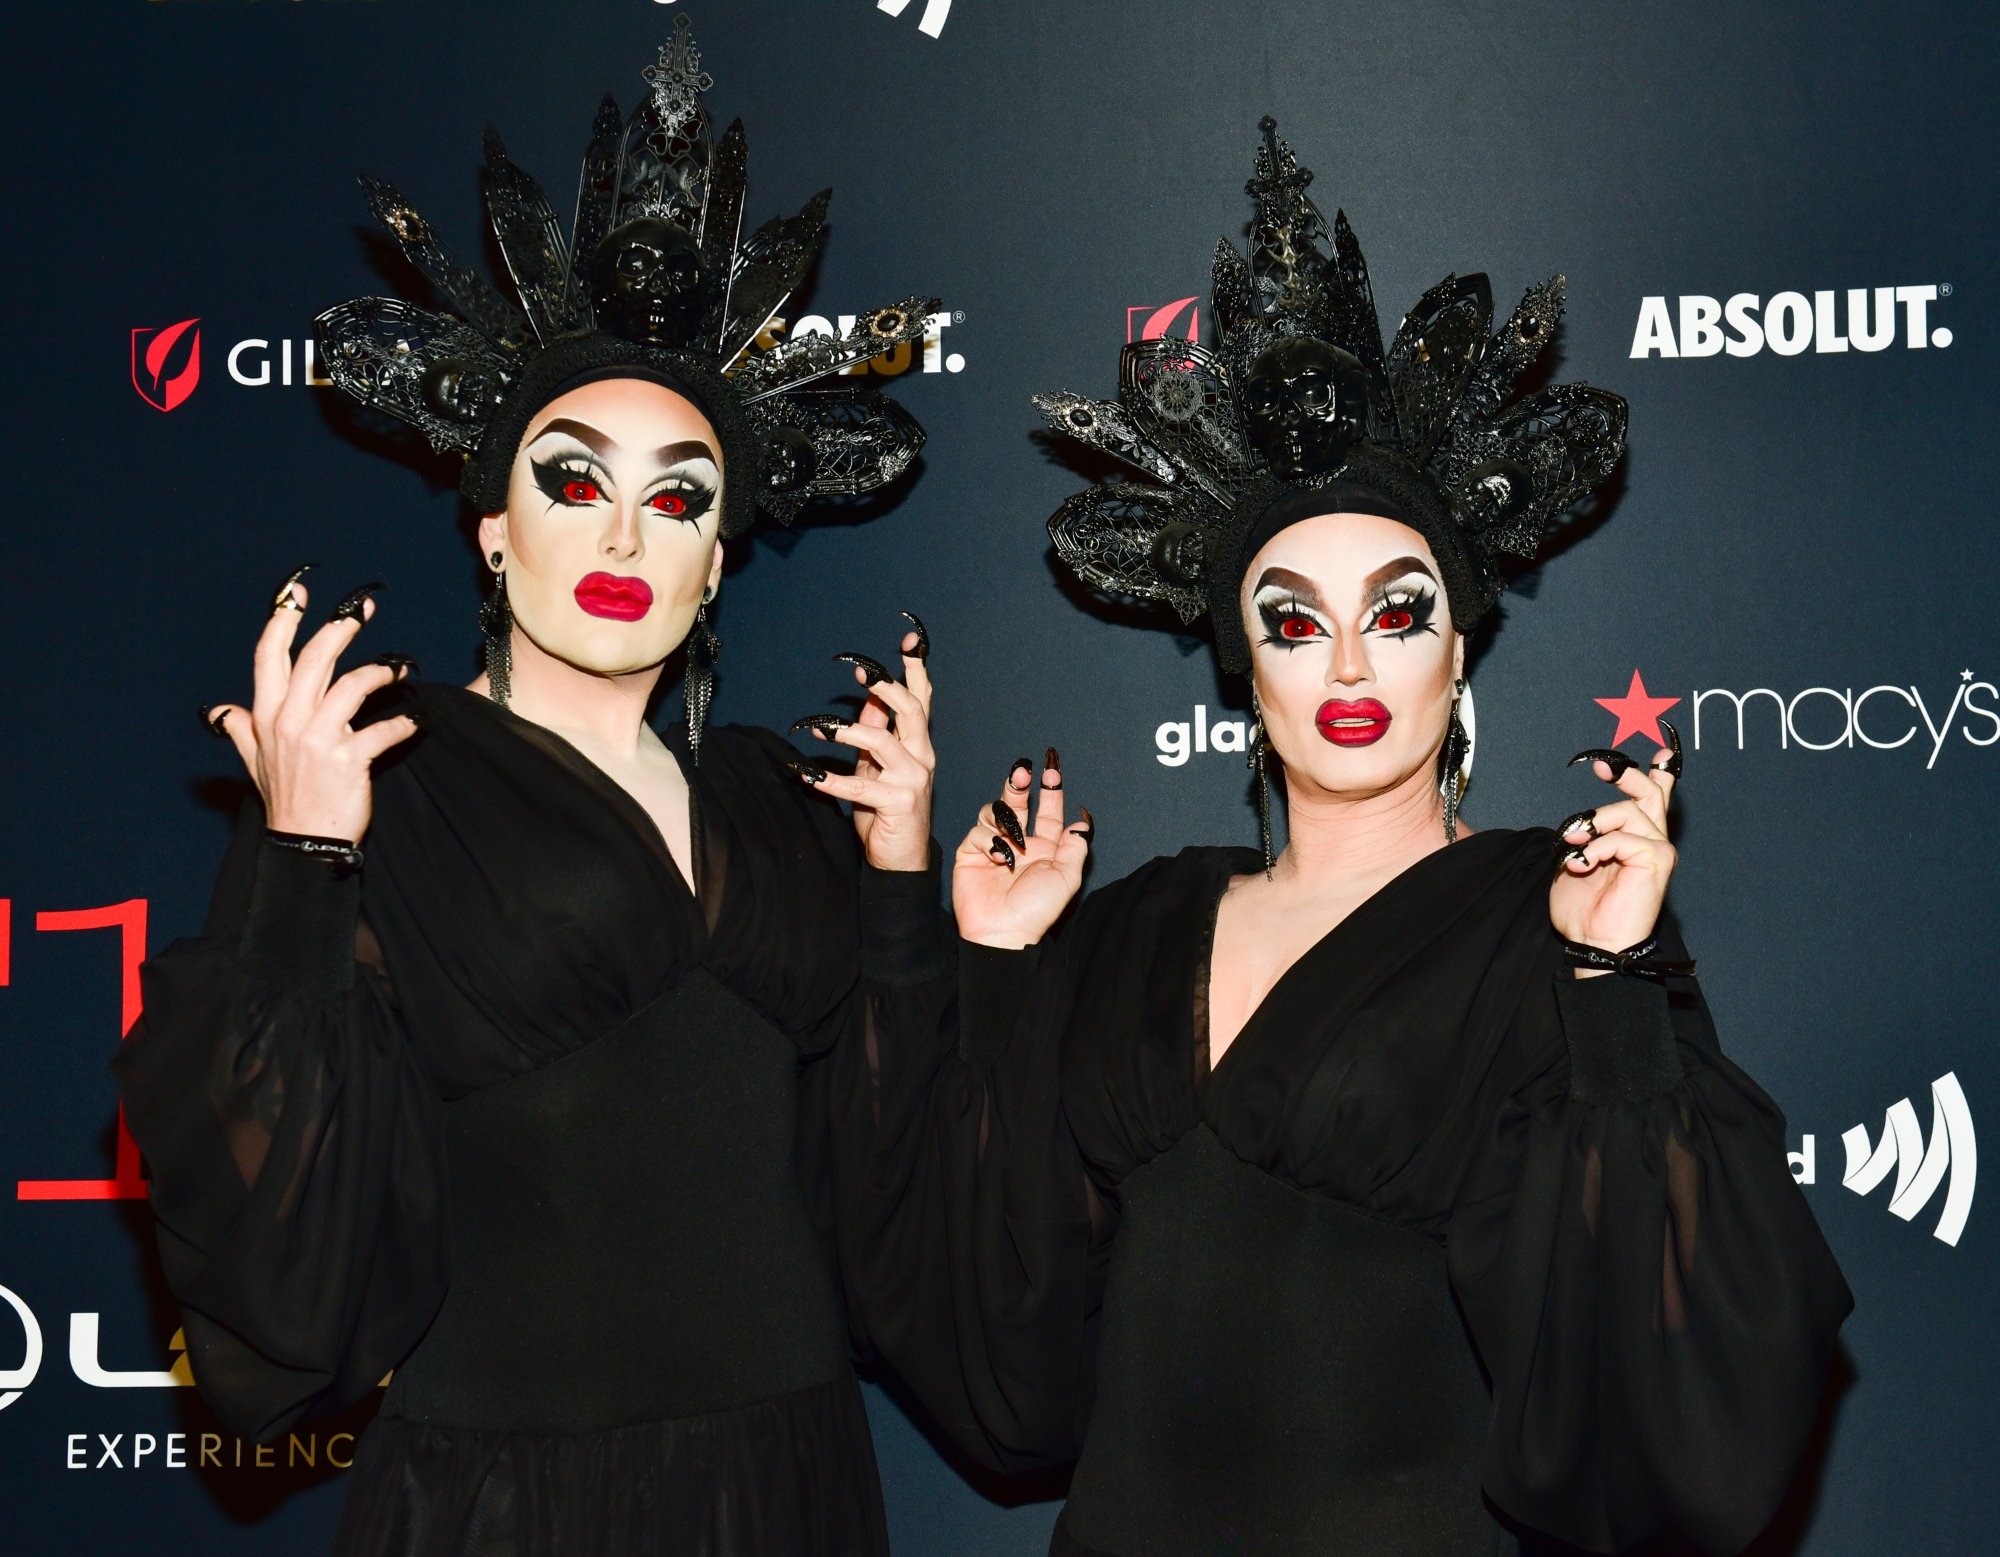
x,y
605,712
1336,839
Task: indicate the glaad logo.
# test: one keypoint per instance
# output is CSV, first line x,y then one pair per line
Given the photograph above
x,y
164,376
891,364
14,1380
1144,322
1789,322
931,24
1176,738
1950,1158
166,364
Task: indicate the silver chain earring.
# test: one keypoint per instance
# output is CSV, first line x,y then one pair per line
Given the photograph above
x,y
496,621
704,648
1455,760
1258,763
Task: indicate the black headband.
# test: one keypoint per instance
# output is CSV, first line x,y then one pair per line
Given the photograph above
x,y
1334,497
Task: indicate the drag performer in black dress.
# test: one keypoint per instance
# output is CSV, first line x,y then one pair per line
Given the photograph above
x,y
1394,1196
529,1107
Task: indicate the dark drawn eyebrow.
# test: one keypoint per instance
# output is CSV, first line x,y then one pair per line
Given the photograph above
x,y
686,449
1395,570
1297,583
598,443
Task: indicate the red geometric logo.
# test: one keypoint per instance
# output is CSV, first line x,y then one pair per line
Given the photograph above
x,y
1638,712
166,364
1147,323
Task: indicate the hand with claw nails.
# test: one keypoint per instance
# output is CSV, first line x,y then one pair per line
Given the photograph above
x,y
890,787
1614,860
297,736
1013,877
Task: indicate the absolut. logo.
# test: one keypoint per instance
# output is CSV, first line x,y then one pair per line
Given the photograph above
x,y
1789,324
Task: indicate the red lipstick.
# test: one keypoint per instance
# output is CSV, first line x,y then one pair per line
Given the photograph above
x,y
1352,724
621,599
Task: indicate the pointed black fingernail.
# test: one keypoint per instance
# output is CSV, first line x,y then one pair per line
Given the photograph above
x,y
401,664
1673,735
923,649
1576,855
872,671
826,724
216,721
281,598
1672,766
1088,831
1617,761
1020,775
808,772
1052,759
1587,820
1002,851
1009,823
349,608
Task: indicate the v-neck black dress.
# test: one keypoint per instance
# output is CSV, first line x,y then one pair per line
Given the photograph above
x,y
1451,1251
520,1116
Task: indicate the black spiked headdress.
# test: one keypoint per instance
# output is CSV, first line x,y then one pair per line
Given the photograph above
x,y
656,280
1299,395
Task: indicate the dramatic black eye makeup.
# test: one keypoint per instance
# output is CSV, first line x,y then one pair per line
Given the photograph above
x,y
1402,601
570,476
1403,610
1290,618
570,464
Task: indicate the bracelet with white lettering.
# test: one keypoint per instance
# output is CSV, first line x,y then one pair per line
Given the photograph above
x,y
1634,961
341,855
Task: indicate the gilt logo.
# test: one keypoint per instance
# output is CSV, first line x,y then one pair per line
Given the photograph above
x,y
166,364
1180,318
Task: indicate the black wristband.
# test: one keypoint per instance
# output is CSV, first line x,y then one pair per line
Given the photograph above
x,y
341,855
1634,961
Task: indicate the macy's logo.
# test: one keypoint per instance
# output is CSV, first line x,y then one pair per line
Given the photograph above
x,y
1789,323
1950,1158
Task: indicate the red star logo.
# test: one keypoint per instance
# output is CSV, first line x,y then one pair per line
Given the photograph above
x,y
1638,712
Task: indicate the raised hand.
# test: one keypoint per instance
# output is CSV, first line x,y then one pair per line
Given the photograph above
x,y
297,738
890,787
1614,876
1012,877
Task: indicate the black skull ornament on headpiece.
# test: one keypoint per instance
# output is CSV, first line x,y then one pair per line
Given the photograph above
x,y
657,279
1298,393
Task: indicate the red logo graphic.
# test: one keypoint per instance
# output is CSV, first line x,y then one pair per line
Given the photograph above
x,y
1146,323
162,384
1638,712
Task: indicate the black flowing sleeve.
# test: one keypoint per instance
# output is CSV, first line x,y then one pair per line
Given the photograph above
x,y
971,1242
293,1141
1647,1288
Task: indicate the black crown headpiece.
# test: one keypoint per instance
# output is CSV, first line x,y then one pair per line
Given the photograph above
x,y
656,280
1299,394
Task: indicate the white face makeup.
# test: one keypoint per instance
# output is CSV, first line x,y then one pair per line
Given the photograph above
x,y
609,536
1353,652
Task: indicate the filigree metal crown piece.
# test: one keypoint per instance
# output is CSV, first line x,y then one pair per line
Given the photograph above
x,y
655,272
1298,393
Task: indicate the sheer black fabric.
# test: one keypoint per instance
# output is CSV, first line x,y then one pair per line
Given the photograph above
x,y
525,1117
1449,1248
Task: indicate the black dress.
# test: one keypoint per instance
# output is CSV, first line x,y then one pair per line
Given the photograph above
x,y
520,1116
1449,1251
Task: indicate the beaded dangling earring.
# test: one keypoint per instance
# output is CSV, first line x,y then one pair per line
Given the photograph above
x,y
698,689
1455,760
1257,763
496,621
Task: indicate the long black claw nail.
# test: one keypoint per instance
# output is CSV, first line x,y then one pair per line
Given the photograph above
x,y
872,671
808,772
1672,765
216,721
1052,763
1576,855
349,608
1009,823
826,724
401,664
923,649
1584,820
282,600
1020,775
1001,850
1088,831
1617,761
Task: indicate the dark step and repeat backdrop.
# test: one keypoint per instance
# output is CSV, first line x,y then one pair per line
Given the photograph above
x,y
1777,221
